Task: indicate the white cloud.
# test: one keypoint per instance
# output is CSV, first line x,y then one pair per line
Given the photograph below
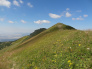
x,y
30,5
78,18
20,1
16,3
23,21
54,15
68,14
78,11
67,9
73,18
10,21
1,19
5,3
85,15
41,21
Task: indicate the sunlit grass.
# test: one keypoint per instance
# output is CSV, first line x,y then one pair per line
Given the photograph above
x,y
60,49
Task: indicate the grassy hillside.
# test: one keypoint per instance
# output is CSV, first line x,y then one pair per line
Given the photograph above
x,y
20,40
59,47
12,44
5,44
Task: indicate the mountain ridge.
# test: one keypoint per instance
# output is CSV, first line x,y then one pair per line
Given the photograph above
x,y
50,49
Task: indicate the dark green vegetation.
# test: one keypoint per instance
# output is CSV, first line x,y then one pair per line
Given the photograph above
x,y
55,48
37,32
60,26
4,44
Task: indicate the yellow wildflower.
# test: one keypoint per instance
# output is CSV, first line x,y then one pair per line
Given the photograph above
x,y
70,64
53,60
79,44
69,61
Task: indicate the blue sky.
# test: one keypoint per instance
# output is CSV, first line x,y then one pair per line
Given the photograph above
x,y
18,17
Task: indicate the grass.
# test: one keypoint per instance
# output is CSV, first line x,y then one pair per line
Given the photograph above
x,y
13,45
59,49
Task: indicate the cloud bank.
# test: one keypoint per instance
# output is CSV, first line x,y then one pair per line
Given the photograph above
x,y
16,3
5,3
54,15
41,21
30,5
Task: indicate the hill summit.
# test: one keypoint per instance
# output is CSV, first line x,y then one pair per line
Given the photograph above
x,y
61,26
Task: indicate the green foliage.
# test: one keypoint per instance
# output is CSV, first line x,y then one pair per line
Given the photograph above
x,y
4,44
37,32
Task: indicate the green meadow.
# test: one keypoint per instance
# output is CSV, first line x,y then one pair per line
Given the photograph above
x,y
59,47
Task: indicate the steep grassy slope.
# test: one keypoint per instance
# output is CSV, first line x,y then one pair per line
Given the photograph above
x,y
20,40
51,49
14,44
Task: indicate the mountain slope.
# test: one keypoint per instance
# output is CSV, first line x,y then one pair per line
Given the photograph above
x,y
20,40
51,49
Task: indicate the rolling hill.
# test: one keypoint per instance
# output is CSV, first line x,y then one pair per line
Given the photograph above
x,y
59,47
